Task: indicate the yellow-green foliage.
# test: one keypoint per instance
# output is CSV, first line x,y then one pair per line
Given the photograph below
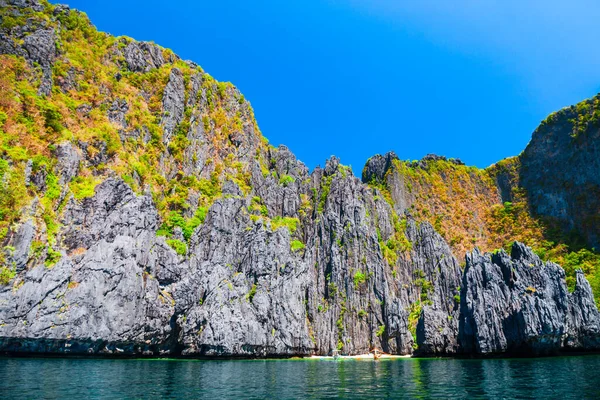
x,y
286,180
52,257
359,278
6,275
587,115
250,295
453,198
397,243
464,206
297,245
177,245
325,188
290,223
83,187
414,313
31,126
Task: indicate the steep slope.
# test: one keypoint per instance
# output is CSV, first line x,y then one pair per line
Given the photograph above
x,y
145,214
545,198
560,170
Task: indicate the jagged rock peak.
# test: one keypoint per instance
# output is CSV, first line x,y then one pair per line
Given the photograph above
x,y
424,162
377,166
519,304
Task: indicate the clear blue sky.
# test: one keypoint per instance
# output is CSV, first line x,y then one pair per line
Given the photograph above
x,y
466,79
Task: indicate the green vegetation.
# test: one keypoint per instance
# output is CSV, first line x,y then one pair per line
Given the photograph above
x,y
290,223
83,187
52,257
325,188
52,187
380,331
340,325
359,278
250,295
457,296
414,313
31,127
6,275
179,246
286,180
297,245
586,116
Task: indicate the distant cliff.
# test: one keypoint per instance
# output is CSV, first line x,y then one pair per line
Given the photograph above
x,y
144,214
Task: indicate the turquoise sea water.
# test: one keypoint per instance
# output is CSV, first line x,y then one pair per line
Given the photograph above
x,y
562,377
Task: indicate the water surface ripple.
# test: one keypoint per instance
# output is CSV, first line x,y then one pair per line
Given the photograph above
x,y
561,377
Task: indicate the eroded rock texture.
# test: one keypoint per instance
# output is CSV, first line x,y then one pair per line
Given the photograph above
x,y
280,261
521,305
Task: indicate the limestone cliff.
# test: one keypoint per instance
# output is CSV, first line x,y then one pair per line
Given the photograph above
x,y
144,214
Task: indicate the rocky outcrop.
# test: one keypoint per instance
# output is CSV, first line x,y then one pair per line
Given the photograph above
x,y
100,297
518,304
143,56
35,42
560,170
68,160
173,103
377,166
166,225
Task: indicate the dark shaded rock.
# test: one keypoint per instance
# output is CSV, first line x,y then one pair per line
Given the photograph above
x,y
38,178
21,244
117,111
519,304
28,171
34,4
36,44
41,48
101,298
143,56
377,166
559,171
173,104
437,329
68,161
95,153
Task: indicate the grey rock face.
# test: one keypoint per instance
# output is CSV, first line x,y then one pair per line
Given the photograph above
x,y
143,56
35,4
68,162
243,290
521,305
377,166
566,195
22,244
113,211
100,297
287,261
437,328
173,104
117,111
36,44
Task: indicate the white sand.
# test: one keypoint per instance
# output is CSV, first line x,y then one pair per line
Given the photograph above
x,y
368,356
